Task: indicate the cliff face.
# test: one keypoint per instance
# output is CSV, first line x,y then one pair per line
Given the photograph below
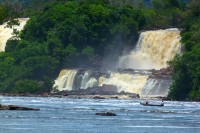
x,y
163,73
158,83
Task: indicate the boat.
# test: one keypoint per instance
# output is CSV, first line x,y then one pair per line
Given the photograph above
x,y
144,104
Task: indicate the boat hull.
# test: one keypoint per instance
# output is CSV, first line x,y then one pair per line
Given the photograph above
x,y
144,104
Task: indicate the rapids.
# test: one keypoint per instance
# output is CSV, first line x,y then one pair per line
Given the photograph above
x,y
78,115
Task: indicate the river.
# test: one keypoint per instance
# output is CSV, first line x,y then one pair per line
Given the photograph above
x,y
63,115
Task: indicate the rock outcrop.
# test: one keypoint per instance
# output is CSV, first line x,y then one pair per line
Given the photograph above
x,y
98,97
109,89
106,114
163,73
156,28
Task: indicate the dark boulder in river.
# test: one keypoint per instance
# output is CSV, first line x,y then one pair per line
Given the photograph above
x,y
14,107
98,97
106,114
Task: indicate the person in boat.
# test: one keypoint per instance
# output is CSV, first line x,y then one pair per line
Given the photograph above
x,y
147,102
162,103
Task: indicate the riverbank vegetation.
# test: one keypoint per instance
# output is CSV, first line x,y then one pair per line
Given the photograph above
x,y
70,34
186,75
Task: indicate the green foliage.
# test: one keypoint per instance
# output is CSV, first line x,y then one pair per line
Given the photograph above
x,y
55,35
31,86
23,86
88,51
10,45
182,81
2,14
186,75
186,79
11,23
84,24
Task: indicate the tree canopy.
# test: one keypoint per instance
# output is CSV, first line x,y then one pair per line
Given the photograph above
x,y
64,34
186,79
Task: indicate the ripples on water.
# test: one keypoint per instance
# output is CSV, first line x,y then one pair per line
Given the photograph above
x,y
78,115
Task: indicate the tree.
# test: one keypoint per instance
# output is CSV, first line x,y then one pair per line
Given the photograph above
x,y
88,51
11,23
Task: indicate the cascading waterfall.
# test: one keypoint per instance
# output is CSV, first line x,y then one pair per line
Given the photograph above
x,y
65,80
91,83
85,79
101,80
155,87
6,33
88,81
132,83
153,50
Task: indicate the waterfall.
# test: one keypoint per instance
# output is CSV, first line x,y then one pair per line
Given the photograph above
x,y
6,33
85,79
132,83
65,80
91,83
153,50
101,80
155,87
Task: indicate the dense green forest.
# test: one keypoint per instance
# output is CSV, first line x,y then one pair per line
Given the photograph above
x,y
68,33
186,75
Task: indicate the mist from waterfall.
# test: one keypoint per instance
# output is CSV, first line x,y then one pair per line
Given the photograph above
x,y
153,50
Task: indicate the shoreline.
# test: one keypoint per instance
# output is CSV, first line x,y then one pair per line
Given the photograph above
x,y
114,97
70,96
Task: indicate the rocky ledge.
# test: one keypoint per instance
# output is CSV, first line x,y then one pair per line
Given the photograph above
x,y
14,107
99,90
156,28
163,73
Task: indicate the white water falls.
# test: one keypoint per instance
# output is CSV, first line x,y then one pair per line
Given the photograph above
x,y
155,87
101,80
65,80
91,83
6,33
132,83
85,79
153,50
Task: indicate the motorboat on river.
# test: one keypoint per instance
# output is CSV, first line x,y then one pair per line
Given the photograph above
x,y
144,104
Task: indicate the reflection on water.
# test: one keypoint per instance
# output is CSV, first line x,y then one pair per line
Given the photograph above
x,y
78,115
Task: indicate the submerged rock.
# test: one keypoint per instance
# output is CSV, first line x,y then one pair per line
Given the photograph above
x,y
106,114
